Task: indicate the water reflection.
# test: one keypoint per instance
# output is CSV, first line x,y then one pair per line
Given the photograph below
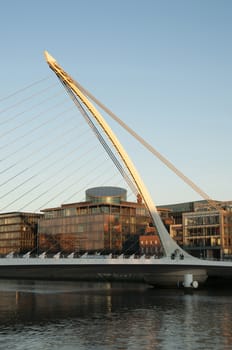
x,y
71,315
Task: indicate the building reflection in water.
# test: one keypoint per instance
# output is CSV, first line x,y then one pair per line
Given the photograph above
x,y
104,314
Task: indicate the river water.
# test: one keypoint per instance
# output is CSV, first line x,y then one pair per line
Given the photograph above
x,y
96,316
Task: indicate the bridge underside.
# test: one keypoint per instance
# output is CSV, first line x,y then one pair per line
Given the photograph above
x,y
160,276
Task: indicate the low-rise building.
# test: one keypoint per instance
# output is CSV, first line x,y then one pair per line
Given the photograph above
x,y
106,222
18,232
201,229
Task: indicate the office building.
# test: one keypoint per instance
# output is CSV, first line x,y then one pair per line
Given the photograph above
x,y
106,222
202,230
18,232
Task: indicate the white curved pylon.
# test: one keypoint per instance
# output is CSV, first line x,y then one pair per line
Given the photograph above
x,y
169,245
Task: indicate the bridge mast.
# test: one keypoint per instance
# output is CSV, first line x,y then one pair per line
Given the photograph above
x,y
150,148
169,245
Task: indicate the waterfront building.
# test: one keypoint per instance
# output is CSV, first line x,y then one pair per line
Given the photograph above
x,y
106,222
150,245
18,232
201,230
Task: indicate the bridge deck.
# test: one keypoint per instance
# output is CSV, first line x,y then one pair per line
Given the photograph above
x,y
164,271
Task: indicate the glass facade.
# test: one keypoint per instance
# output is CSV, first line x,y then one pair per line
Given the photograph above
x,y
201,230
205,234
108,194
227,234
92,227
107,226
18,232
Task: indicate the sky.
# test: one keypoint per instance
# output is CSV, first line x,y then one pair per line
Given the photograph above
x,y
164,67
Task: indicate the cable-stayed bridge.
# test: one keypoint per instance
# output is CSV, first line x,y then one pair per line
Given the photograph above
x,y
40,168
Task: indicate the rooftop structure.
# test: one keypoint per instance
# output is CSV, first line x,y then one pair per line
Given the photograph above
x,y
106,195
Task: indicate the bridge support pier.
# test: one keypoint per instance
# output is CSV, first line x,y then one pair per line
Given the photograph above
x,y
189,282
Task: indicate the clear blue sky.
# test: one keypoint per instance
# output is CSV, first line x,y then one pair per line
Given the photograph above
x,y
165,67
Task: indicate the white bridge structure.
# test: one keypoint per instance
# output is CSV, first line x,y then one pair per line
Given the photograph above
x,y
175,268
168,243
